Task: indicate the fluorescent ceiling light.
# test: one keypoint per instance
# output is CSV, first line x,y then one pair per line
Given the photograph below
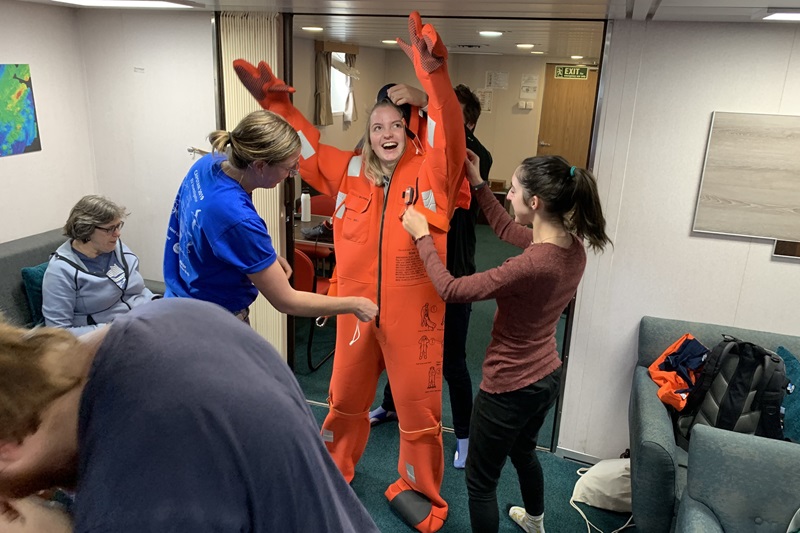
x,y
389,41
783,14
145,4
537,52
491,33
525,46
474,53
576,57
312,28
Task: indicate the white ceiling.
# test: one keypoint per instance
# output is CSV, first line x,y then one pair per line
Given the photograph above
x,y
685,10
577,29
558,28
557,39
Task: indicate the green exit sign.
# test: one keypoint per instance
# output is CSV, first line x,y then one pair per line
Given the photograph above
x,y
570,72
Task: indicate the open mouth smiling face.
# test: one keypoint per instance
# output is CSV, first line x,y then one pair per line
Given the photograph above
x,y
387,134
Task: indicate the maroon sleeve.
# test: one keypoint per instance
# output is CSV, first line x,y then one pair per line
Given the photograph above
x,y
497,282
501,222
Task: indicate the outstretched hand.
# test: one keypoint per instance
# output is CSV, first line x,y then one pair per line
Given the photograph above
x,y
426,44
261,82
365,309
415,223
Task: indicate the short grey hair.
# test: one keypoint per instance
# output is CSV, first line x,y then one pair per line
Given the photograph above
x,y
91,211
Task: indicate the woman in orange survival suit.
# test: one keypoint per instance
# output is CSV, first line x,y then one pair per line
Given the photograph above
x,y
376,258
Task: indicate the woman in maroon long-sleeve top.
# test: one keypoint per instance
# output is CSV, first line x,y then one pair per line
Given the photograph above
x,y
521,371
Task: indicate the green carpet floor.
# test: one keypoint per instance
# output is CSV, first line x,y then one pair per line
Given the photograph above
x,y
378,467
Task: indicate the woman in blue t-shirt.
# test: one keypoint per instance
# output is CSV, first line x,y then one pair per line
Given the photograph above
x,y
218,248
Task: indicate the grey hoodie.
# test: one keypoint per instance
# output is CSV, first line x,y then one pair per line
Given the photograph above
x,y
80,301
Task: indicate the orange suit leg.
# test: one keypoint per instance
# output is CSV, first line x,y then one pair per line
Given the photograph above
x,y
356,369
413,346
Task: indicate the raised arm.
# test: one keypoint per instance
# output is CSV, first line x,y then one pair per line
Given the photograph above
x,y
504,226
446,143
321,165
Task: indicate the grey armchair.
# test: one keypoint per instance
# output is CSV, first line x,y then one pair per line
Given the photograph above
x,y
739,483
658,465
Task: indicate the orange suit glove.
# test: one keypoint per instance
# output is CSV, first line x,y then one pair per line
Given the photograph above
x,y
262,83
426,48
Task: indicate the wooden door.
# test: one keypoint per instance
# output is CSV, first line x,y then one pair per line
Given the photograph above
x,y
565,128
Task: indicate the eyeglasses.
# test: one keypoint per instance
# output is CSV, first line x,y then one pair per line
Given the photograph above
x,y
293,170
112,229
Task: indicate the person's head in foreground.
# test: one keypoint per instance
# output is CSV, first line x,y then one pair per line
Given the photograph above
x,y
42,372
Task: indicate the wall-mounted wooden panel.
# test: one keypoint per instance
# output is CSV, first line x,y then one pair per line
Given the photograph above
x,y
751,177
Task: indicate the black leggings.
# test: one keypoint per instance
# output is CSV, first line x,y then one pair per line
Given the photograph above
x,y
507,425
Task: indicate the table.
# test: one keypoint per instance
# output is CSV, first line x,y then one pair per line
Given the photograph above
x,y
299,238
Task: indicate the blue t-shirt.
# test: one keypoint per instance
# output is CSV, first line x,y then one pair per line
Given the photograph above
x,y
190,422
215,239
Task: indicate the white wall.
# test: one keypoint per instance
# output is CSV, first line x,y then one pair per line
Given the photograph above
x,y
665,80
105,127
150,79
39,188
510,133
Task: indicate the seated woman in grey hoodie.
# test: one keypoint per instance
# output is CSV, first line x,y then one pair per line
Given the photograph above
x,y
92,277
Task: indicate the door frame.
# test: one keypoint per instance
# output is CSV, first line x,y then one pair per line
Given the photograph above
x,y
602,80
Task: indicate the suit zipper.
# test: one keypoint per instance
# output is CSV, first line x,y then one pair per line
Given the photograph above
x,y
380,252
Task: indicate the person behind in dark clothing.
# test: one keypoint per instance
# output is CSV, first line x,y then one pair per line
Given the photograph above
x,y
460,262
175,417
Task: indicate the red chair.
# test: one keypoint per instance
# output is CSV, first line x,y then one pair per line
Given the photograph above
x,y
322,204
304,278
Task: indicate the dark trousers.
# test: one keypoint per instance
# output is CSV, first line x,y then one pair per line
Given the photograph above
x,y
507,425
454,368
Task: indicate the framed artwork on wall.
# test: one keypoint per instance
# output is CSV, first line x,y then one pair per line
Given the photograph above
x,y
19,129
750,184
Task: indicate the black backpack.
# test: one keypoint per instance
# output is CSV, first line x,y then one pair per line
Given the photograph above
x,y
740,388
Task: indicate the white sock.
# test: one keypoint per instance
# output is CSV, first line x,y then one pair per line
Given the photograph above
x,y
528,523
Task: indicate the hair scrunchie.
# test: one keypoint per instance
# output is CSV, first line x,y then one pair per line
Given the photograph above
x,y
572,172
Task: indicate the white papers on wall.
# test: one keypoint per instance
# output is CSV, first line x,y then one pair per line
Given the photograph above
x,y
496,80
529,89
485,97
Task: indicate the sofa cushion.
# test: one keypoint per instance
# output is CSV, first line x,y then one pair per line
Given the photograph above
x,y
32,278
791,402
15,255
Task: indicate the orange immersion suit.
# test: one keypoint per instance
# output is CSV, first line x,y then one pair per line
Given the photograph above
x,y
376,258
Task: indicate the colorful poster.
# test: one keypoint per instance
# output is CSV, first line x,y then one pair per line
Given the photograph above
x,y
19,130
